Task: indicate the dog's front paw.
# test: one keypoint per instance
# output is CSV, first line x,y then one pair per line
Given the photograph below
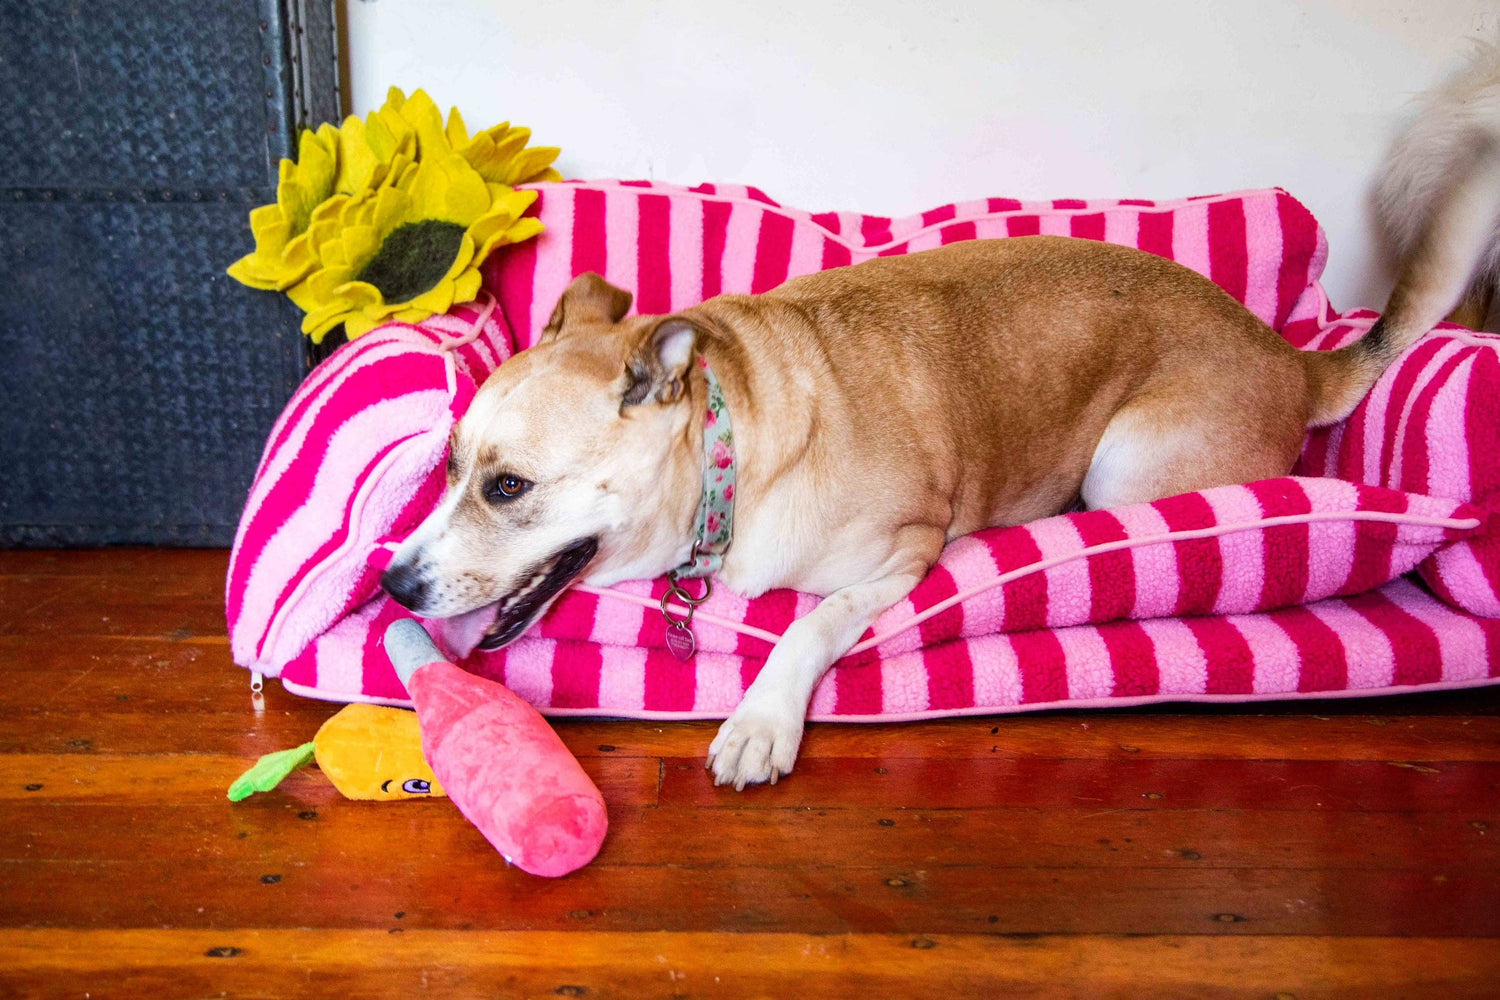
x,y
758,743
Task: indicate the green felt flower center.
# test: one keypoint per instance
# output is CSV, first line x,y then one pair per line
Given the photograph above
x,y
414,258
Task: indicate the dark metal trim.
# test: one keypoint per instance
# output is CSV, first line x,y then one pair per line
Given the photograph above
x,y
313,53
276,75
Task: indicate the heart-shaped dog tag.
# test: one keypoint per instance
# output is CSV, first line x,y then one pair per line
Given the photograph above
x,y
681,641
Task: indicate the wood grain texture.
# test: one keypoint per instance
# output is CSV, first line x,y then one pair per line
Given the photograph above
x,y
370,964
1343,849
1181,840
334,889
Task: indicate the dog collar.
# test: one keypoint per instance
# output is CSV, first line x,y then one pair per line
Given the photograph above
x,y
715,521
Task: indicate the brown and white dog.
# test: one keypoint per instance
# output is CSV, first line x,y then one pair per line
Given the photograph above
x,y
880,411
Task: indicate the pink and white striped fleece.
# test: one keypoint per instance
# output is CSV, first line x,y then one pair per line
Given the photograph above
x,y
1291,587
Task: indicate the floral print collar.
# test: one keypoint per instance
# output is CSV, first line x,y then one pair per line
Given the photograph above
x,y
715,523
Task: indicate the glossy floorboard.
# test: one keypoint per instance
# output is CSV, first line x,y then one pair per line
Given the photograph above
x,y
1344,849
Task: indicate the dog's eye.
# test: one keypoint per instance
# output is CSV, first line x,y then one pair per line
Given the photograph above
x,y
506,487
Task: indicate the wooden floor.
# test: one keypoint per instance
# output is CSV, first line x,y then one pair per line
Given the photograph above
x,y
1341,849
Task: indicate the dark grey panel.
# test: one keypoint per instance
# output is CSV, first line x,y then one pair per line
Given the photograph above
x,y
155,93
137,381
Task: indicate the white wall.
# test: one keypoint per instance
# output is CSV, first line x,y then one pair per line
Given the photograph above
x,y
893,106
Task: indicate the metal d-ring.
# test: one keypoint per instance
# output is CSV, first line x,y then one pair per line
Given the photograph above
x,y
676,592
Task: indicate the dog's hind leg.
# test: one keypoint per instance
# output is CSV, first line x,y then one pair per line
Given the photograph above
x,y
1150,450
759,742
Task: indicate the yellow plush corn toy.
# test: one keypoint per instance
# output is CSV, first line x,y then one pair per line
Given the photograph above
x,y
367,751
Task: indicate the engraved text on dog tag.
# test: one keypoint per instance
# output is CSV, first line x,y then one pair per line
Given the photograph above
x,y
681,641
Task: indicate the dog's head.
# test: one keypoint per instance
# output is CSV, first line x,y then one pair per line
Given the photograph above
x,y
579,455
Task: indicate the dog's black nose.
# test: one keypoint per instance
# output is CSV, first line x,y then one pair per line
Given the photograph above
x,y
406,585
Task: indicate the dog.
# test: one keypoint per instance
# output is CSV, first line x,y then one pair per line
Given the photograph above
x,y
878,412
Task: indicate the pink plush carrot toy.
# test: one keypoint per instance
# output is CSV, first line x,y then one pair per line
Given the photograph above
x,y
501,763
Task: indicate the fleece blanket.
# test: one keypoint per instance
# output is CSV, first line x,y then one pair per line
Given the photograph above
x,y
1373,569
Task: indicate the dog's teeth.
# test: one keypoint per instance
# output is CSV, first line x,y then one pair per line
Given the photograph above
x,y
519,598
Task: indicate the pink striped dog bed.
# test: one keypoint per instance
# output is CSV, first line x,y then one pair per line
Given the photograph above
x,y
1374,568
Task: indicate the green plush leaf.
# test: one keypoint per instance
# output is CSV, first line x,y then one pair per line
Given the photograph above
x,y
270,771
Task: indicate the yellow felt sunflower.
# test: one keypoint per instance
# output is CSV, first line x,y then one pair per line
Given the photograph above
x,y
408,250
283,255
332,164
391,215
500,154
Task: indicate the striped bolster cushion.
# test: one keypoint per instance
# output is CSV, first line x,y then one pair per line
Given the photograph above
x,y
355,459
1230,550
302,587
1431,425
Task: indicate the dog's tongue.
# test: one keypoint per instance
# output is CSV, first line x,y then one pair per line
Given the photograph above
x,y
460,634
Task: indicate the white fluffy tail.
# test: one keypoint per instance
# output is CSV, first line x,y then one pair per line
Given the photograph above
x,y
1439,198
1436,195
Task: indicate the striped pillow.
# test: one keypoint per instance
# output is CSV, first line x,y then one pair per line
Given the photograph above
x,y
355,459
674,247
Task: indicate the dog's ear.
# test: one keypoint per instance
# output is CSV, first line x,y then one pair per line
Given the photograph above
x,y
588,298
658,367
